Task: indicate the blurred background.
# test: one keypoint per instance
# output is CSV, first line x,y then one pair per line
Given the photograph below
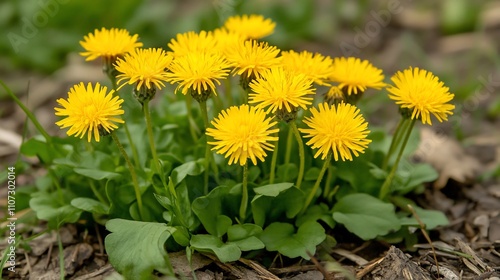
x,y
457,40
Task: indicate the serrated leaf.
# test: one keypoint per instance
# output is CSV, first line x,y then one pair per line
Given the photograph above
x,y
284,238
228,252
90,205
136,248
365,215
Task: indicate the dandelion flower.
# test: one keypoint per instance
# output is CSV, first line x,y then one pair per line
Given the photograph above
x,y
144,67
422,93
191,41
242,133
315,66
356,75
89,111
250,26
198,72
108,43
340,129
227,40
278,89
251,58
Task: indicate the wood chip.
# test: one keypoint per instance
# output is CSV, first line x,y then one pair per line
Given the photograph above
x,y
350,256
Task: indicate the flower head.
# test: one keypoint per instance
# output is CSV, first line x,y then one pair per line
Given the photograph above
x,y
144,67
251,58
198,72
315,66
278,89
191,42
227,40
250,26
356,75
108,43
422,93
89,110
337,128
242,133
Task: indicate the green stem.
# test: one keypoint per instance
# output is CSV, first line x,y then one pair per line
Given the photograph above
x,y
229,90
209,157
244,194
194,130
109,69
96,193
28,113
61,256
396,138
288,151
384,191
293,126
273,163
152,145
318,181
328,182
132,173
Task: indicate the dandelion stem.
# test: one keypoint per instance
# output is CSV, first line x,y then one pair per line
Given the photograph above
x,y
328,182
194,130
149,128
395,141
28,113
209,157
229,90
293,126
244,194
309,199
288,151
384,191
132,173
273,163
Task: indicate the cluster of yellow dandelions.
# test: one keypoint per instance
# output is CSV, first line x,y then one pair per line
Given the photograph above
x,y
278,85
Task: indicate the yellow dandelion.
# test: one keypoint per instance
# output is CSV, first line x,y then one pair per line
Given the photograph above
x,y
250,26
340,129
316,67
144,67
89,111
251,58
242,133
333,94
226,40
191,42
422,93
198,72
108,43
356,75
278,89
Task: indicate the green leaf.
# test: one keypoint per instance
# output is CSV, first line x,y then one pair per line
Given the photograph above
x,y
90,205
273,190
228,252
281,237
315,213
39,148
244,236
191,168
349,171
287,172
96,174
209,210
365,215
431,218
416,174
273,201
135,248
51,207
